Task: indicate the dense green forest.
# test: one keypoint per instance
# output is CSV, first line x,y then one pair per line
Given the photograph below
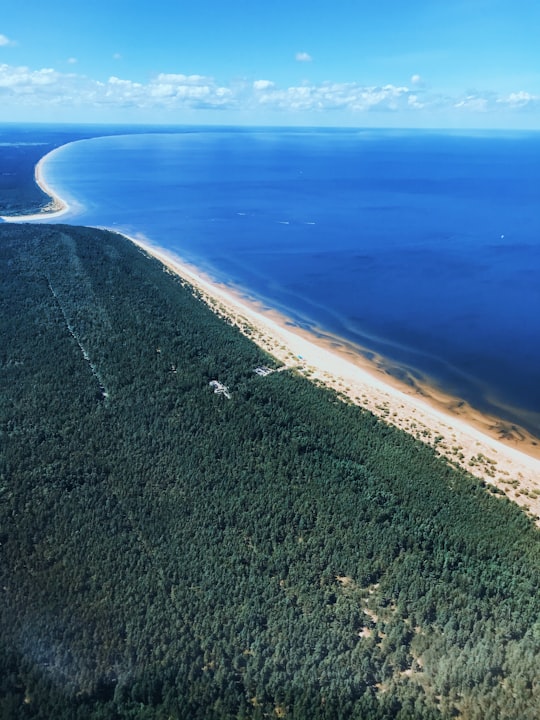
x,y
169,553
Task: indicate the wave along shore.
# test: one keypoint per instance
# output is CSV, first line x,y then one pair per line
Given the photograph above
x,y
493,450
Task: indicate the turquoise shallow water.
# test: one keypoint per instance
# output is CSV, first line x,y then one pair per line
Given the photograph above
x,y
424,247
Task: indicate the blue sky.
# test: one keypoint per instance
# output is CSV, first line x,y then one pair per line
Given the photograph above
x,y
391,63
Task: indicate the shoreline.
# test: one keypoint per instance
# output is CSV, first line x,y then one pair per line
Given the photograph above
x,y
55,208
464,436
468,438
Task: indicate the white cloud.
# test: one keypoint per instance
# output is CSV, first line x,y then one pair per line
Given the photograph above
x,y
166,91
25,88
333,96
414,102
263,84
181,79
24,80
119,88
520,99
5,41
189,90
170,91
72,61
303,57
475,103
417,80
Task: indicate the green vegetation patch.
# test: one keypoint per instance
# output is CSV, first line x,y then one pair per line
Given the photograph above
x,y
169,552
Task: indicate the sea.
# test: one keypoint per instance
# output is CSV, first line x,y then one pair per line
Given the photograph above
x,y
422,247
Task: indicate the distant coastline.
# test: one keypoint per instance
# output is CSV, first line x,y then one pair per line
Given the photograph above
x,y
489,448
57,207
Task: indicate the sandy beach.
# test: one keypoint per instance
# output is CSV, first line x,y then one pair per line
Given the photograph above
x,y
498,452
56,208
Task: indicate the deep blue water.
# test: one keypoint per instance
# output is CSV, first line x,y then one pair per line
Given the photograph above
x,y
424,247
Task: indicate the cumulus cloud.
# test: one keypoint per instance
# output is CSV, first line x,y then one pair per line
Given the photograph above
x,y
334,96
263,84
414,102
417,80
303,57
72,61
476,103
182,79
23,87
24,80
4,40
195,91
171,91
520,99
166,90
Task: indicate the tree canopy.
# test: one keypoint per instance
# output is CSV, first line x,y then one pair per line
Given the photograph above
x,y
168,552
